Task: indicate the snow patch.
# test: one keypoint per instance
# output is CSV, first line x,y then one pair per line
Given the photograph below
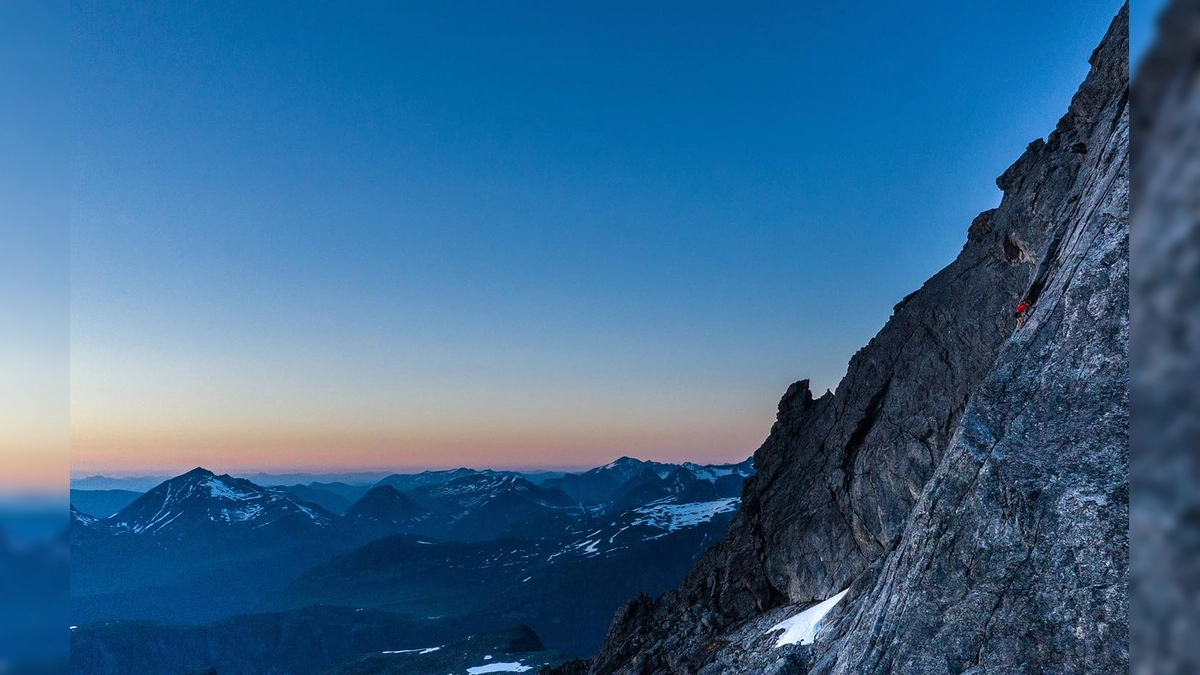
x,y
672,517
708,473
501,667
802,628
307,511
612,538
588,546
219,489
241,515
418,652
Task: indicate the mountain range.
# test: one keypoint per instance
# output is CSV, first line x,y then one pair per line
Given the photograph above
x,y
491,549
461,504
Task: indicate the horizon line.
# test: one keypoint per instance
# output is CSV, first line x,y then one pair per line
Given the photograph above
x,y
325,471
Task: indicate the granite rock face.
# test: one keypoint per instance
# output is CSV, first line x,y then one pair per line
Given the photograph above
x,y
967,478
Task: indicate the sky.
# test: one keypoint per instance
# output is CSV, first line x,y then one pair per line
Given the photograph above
x,y
512,235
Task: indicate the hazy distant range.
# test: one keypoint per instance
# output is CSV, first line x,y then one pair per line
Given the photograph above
x,y
144,483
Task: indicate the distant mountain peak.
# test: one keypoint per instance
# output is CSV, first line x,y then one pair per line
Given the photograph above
x,y
622,462
384,504
200,498
382,495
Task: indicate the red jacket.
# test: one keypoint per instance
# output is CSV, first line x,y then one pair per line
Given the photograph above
x,y
1022,308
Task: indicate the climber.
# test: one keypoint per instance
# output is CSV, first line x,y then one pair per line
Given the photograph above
x,y
1022,311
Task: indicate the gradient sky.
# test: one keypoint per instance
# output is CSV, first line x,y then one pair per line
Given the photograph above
x,y
517,234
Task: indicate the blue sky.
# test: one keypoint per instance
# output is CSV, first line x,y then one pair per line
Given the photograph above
x,y
428,234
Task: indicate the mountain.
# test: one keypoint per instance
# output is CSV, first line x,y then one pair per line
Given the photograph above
x,y
599,484
384,511
481,505
410,481
195,548
361,478
619,481
680,484
84,527
563,577
199,505
132,483
564,585
966,486
606,534
1036,476
335,502
564,580
81,519
726,478
540,477
200,547
350,491
102,503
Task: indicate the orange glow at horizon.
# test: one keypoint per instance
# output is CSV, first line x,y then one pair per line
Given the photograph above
x,y
126,455
127,420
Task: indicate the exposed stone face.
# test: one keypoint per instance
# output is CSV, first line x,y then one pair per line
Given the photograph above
x,y
1015,558
1011,446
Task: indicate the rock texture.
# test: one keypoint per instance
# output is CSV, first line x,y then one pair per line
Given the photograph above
x,y
969,479
1015,558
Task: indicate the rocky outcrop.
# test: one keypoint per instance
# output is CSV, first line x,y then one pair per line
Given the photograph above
x,y
969,480
1015,558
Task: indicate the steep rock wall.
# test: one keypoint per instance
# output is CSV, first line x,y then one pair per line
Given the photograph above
x,y
839,475
1015,558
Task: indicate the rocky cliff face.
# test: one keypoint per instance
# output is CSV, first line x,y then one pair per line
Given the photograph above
x,y
1015,557
968,479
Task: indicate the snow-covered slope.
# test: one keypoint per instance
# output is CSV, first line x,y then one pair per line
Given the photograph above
x,y
606,536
